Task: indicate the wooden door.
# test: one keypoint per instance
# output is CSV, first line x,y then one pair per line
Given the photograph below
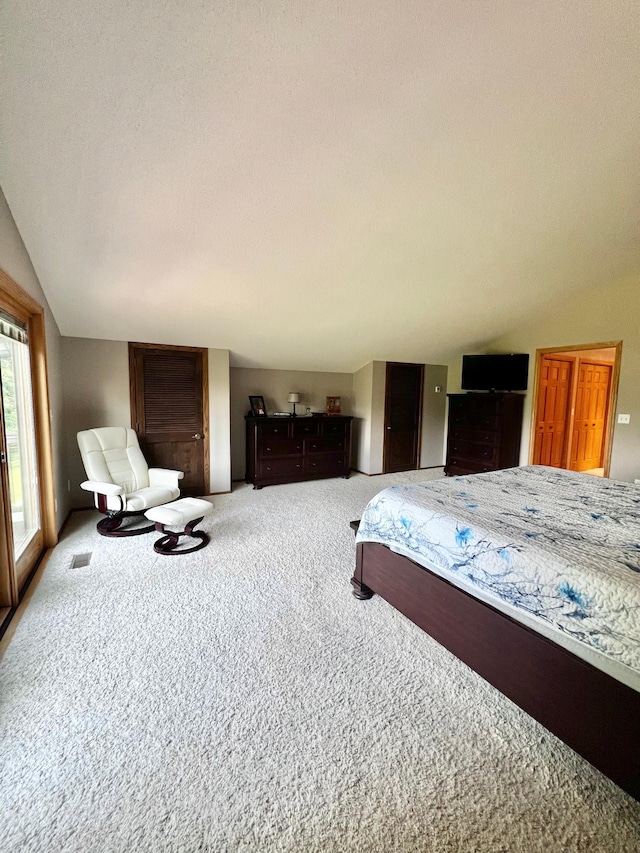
x,y
27,495
591,410
402,416
554,390
169,411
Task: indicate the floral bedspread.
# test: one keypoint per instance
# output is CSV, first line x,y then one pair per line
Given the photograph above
x,y
564,547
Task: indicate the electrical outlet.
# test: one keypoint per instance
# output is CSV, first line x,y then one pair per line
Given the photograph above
x,y
624,419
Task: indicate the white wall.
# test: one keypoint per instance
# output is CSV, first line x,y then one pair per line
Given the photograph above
x,y
219,421
274,385
433,415
96,393
15,261
609,316
361,427
378,390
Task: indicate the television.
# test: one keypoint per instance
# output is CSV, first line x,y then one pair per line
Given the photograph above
x,y
506,372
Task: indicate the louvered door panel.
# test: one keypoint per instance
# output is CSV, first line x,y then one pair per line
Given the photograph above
x,y
172,406
168,403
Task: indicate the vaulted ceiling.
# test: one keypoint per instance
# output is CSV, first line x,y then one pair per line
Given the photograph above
x,y
316,185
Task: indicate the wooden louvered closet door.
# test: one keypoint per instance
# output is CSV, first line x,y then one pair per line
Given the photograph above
x,y
168,409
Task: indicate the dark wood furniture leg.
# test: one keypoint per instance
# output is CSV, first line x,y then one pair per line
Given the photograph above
x,y
168,543
360,590
111,525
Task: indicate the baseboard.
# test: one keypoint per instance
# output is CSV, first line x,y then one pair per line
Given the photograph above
x,y
380,473
68,518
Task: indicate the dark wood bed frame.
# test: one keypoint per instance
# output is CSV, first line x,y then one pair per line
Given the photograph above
x,y
590,711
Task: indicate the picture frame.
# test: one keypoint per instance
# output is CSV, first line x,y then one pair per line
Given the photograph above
x,y
333,405
258,408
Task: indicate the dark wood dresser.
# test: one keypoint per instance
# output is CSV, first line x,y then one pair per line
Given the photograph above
x,y
286,450
483,432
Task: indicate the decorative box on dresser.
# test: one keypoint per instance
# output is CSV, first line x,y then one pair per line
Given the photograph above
x,y
483,432
286,450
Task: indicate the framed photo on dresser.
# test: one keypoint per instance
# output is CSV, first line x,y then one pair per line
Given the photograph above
x,y
333,406
258,408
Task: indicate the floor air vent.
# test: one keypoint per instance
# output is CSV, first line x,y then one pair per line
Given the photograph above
x,y
80,561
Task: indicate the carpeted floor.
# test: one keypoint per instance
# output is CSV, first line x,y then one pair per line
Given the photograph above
x,y
240,699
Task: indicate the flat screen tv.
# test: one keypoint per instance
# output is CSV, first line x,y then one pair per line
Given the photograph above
x,y
495,372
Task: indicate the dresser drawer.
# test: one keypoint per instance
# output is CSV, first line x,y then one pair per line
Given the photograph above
x,y
339,426
327,463
278,467
480,436
325,445
306,426
277,428
475,419
274,446
455,467
472,450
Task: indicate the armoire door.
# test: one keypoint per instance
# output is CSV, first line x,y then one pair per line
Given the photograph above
x,y
402,416
169,411
554,392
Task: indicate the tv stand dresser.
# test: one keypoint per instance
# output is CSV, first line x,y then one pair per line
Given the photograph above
x,y
288,450
483,432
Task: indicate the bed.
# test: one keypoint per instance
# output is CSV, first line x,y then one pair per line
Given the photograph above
x,y
531,576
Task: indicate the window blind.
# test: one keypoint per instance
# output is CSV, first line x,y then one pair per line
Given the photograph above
x,y
12,328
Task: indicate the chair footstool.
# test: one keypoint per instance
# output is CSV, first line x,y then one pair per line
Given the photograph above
x,y
184,513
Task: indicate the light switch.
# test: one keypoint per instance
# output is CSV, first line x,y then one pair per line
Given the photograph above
x,y
624,419
438,389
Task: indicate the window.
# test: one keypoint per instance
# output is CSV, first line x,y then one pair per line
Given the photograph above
x,y
19,427
27,506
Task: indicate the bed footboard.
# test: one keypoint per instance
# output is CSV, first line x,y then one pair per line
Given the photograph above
x,y
586,708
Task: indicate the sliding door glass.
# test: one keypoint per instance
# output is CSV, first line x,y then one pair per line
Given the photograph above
x,y
17,407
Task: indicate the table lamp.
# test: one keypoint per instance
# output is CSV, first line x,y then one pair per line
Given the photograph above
x,y
294,398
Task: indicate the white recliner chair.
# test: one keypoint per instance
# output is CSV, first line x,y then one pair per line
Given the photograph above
x,y
119,477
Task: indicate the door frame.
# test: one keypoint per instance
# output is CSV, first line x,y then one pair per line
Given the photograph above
x,y
613,395
15,301
133,390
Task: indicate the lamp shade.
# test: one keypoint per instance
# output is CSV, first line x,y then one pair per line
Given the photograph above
x,y
294,398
